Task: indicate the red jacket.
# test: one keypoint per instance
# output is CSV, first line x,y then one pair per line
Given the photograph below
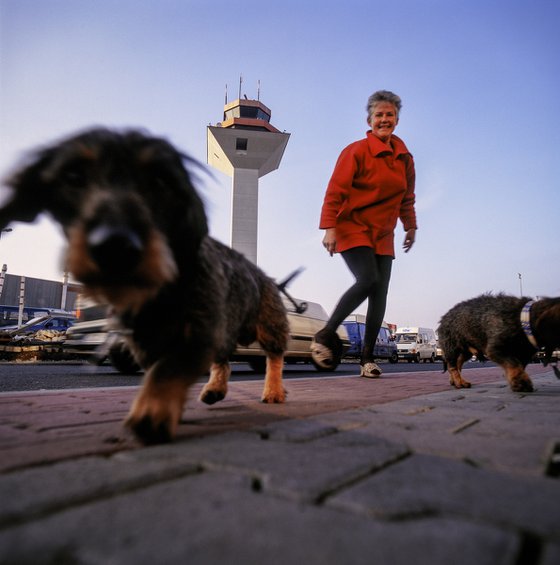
x,y
370,188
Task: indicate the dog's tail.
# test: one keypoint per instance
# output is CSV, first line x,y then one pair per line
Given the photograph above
x,y
282,286
300,307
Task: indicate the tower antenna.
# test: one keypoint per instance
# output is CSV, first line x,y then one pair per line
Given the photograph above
x,y
225,104
258,90
240,81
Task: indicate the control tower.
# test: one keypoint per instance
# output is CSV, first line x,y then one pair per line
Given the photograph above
x,y
245,146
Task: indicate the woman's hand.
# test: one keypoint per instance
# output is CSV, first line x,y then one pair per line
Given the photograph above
x,y
329,240
409,239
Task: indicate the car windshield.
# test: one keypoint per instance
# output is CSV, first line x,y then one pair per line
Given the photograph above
x,y
405,338
34,321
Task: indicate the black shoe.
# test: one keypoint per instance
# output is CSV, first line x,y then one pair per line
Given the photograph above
x,y
326,349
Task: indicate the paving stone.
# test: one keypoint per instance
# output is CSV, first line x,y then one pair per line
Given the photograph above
x,y
428,485
216,517
295,430
299,470
31,492
489,426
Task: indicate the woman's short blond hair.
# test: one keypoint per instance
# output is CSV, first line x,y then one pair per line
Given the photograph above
x,y
383,96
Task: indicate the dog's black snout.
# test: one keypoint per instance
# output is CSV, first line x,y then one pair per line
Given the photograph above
x,y
116,248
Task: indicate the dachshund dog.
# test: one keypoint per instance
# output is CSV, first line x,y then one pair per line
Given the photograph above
x,y
505,329
138,240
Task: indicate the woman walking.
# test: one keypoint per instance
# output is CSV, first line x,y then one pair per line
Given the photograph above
x,y
372,186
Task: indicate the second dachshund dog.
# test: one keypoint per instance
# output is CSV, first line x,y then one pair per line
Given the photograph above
x,y
138,240
506,329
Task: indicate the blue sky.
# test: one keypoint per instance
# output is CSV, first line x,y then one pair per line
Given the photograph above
x,y
480,83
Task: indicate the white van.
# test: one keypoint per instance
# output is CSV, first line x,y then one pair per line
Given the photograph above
x,y
415,344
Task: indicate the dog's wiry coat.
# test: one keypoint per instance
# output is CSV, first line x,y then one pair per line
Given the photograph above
x,y
138,240
490,326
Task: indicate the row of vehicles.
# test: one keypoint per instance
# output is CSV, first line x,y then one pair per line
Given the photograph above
x,y
90,335
94,329
305,318
413,344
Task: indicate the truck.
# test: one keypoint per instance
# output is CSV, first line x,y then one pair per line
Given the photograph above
x,y
385,347
415,344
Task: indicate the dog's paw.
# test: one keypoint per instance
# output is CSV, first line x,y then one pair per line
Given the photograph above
x,y
150,431
209,396
456,380
270,396
460,383
155,413
521,384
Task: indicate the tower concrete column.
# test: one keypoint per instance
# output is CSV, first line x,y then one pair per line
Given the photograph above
x,y
245,212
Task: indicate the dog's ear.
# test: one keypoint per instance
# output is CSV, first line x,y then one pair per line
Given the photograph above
x,y
28,195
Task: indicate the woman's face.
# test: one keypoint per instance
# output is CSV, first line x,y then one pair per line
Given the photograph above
x,y
384,120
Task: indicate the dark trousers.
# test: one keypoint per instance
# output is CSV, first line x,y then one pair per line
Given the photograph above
x,y
372,273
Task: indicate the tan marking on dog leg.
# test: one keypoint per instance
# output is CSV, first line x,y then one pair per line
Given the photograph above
x,y
156,410
518,379
273,391
216,387
455,377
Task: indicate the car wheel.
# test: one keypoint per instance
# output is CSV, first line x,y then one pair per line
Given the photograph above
x,y
123,361
417,358
433,358
258,364
394,358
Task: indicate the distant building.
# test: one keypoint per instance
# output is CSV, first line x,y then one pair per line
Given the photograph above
x,y
37,293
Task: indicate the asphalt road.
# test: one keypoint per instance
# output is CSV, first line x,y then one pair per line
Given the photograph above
x,y
16,377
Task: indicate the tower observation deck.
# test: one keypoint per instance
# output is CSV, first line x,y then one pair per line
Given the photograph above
x,y
245,146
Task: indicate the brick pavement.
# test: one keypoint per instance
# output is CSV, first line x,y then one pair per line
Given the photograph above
x,y
393,471
44,426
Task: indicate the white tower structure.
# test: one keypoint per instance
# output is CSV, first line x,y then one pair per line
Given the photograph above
x,y
245,146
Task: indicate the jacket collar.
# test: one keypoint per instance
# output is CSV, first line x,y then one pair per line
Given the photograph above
x,y
377,147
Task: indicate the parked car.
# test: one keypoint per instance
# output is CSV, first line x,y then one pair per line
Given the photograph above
x,y
385,346
94,338
9,315
59,322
